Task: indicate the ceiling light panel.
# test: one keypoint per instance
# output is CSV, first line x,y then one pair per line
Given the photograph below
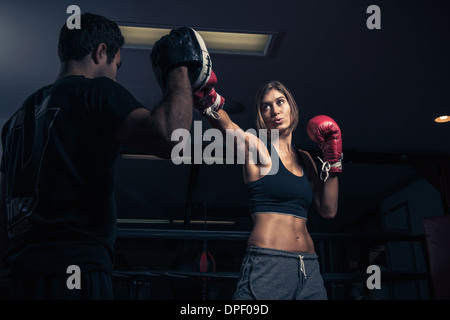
x,y
225,42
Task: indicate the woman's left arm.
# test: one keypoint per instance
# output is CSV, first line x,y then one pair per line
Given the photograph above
x,y
325,194
326,132
326,197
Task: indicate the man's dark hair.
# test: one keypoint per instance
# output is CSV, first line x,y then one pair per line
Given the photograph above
x,y
75,44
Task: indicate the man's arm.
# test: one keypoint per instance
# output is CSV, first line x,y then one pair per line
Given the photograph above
x,y
151,131
181,63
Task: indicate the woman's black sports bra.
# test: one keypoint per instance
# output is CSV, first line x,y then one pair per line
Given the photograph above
x,y
282,192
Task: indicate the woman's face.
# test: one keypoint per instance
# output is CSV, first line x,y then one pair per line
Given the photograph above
x,y
275,111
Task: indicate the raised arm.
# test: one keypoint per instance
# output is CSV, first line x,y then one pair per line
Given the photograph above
x,y
254,153
181,64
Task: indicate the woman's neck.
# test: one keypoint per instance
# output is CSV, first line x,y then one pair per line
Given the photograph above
x,y
283,144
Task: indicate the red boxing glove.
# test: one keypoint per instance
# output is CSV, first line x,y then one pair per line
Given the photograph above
x,y
325,131
207,100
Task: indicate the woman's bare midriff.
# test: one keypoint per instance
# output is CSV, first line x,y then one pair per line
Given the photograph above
x,y
280,231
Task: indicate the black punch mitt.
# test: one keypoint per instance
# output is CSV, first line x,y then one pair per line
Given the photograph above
x,y
182,46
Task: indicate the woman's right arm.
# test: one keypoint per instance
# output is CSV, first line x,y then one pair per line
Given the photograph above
x,y
248,148
223,123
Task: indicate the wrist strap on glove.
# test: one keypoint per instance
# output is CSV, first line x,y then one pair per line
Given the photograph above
x,y
327,168
211,111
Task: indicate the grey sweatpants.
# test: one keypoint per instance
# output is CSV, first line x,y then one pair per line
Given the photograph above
x,y
270,274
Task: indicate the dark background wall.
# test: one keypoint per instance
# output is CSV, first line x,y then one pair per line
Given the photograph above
x,y
383,87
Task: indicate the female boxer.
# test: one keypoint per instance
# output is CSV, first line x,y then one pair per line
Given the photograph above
x,y
281,262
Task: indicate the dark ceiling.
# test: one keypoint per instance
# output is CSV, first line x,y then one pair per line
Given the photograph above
x,y
383,87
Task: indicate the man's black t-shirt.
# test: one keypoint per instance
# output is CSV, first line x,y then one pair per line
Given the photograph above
x,y
59,153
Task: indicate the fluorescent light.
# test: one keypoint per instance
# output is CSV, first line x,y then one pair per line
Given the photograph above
x,y
442,119
239,43
140,37
226,42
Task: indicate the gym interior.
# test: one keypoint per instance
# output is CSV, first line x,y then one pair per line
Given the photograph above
x,y
381,72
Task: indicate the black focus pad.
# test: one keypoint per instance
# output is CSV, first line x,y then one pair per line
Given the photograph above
x,y
182,46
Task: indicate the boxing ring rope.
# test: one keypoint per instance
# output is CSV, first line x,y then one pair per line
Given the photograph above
x,y
360,277
133,234
144,233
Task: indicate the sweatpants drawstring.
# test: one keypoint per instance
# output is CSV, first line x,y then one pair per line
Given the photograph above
x,y
302,265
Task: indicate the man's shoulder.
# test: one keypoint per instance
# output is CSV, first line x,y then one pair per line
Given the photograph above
x,y
104,80
105,83
79,79
102,86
